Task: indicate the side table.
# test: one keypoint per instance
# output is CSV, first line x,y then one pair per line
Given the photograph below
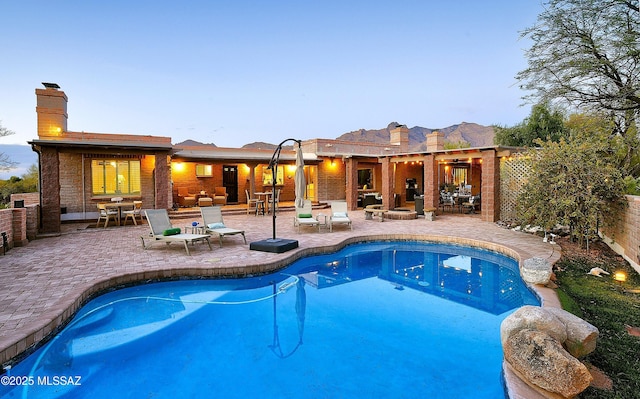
x,y
322,220
197,229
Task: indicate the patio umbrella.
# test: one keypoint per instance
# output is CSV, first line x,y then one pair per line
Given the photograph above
x,y
300,182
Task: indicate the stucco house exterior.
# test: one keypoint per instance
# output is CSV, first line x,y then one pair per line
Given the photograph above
x,y
80,169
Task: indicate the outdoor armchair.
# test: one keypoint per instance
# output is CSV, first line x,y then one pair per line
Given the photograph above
x,y
185,198
220,196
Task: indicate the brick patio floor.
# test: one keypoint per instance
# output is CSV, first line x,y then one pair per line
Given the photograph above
x,y
43,284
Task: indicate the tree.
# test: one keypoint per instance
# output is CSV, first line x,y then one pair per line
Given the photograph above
x,y
577,181
5,161
28,183
586,53
544,123
456,145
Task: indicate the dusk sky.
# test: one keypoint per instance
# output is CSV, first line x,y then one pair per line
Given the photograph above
x,y
234,72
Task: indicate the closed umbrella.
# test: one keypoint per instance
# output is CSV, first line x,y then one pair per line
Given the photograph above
x,y
300,182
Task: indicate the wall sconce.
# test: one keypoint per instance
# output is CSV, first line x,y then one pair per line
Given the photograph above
x,y
177,166
333,161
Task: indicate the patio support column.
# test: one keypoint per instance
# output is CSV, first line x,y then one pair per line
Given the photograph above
x,y
388,176
399,182
351,176
431,194
49,190
490,190
162,178
252,177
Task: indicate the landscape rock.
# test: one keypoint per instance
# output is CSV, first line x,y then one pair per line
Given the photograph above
x,y
543,362
581,336
533,318
536,271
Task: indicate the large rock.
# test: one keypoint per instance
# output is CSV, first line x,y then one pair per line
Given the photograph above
x,y
533,318
536,271
543,362
581,336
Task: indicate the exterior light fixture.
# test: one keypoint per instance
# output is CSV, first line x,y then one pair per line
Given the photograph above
x,y
620,277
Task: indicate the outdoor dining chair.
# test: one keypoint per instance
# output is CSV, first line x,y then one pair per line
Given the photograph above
x,y
134,213
252,203
106,215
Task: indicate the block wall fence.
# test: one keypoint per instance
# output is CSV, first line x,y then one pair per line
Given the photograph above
x,y
625,239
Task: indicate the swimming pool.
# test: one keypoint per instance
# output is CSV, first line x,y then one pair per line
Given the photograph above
x,y
377,319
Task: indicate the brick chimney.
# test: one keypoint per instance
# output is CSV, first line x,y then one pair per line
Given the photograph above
x,y
435,141
51,108
400,137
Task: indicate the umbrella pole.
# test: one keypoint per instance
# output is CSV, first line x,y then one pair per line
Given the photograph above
x,y
273,197
274,244
273,165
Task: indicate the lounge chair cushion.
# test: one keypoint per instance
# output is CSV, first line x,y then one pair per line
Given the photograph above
x,y
171,232
340,214
216,225
305,215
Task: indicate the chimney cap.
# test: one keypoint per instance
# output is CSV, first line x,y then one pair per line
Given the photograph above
x,y
50,85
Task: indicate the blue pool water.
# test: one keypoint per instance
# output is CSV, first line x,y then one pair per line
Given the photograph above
x,y
375,320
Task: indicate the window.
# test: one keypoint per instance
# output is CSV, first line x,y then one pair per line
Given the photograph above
x,y
365,178
267,176
460,175
115,176
204,170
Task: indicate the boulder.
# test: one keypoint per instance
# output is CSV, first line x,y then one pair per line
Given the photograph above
x,y
543,362
536,271
533,318
581,336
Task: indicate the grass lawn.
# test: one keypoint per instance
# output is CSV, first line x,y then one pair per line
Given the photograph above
x,y
610,307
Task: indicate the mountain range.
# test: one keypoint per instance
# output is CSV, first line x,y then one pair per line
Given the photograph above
x,y
472,133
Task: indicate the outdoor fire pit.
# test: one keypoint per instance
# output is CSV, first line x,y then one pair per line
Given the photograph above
x,y
401,214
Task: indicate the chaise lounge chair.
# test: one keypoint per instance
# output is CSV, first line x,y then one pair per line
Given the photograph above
x,y
212,220
339,215
304,217
162,230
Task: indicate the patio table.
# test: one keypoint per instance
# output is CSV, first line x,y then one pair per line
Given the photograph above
x,y
119,206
